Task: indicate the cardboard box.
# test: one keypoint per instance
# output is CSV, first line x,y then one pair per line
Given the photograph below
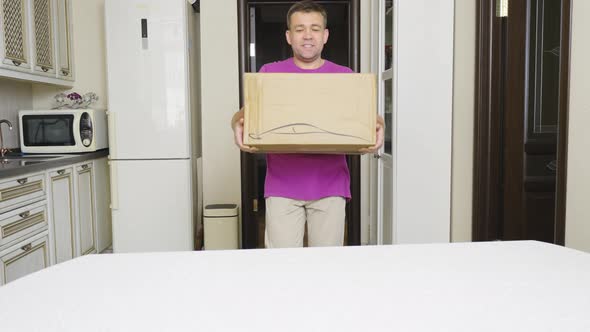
x,y
322,113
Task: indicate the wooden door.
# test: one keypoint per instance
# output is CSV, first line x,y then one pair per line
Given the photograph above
x,y
521,121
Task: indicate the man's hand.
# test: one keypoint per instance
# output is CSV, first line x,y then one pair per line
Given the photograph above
x,y
380,128
238,128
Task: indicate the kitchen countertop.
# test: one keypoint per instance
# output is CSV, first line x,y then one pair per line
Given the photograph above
x,y
481,286
16,165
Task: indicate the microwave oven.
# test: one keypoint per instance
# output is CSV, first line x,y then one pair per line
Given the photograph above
x,y
62,131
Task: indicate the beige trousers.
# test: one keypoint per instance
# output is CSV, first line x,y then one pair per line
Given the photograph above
x,y
286,219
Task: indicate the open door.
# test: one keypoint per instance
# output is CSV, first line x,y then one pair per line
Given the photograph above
x,y
382,163
412,48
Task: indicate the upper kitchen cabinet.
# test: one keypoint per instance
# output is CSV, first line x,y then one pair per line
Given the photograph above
x,y
36,41
43,37
64,40
14,44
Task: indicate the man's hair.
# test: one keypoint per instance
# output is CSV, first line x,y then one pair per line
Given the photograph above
x,y
306,6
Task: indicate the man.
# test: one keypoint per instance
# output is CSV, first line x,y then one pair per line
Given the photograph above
x,y
305,187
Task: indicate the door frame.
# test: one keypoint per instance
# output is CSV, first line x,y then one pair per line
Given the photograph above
x,y
487,134
249,224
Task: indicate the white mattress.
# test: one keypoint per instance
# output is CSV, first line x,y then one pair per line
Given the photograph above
x,y
499,286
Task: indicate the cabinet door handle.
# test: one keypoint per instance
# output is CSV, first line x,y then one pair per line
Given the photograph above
x,y
65,72
45,69
84,166
17,63
27,247
22,181
61,172
25,214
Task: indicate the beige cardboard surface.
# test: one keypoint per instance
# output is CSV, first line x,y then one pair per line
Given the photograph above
x,y
309,112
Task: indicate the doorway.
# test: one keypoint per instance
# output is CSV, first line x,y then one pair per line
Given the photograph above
x,y
262,26
521,120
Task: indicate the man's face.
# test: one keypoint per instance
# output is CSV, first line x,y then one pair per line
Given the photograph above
x,y
307,35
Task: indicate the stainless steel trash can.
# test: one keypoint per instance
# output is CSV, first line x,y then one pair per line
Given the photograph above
x,y
220,223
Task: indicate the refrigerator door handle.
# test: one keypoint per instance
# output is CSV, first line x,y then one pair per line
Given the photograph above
x,y
112,134
114,186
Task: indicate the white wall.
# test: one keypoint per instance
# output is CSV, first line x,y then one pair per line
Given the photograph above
x,y
89,56
463,117
14,96
219,101
577,228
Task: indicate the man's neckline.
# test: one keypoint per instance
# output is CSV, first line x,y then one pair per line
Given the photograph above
x,y
324,61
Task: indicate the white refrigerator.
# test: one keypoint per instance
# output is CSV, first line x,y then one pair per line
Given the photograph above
x,y
152,81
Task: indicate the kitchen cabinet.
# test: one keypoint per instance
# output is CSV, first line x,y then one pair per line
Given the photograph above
x,y
84,192
14,45
61,204
23,221
102,195
16,191
53,216
25,257
80,215
36,41
64,40
43,37
24,246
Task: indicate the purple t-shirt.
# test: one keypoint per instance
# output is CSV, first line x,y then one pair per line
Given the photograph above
x,y
306,177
